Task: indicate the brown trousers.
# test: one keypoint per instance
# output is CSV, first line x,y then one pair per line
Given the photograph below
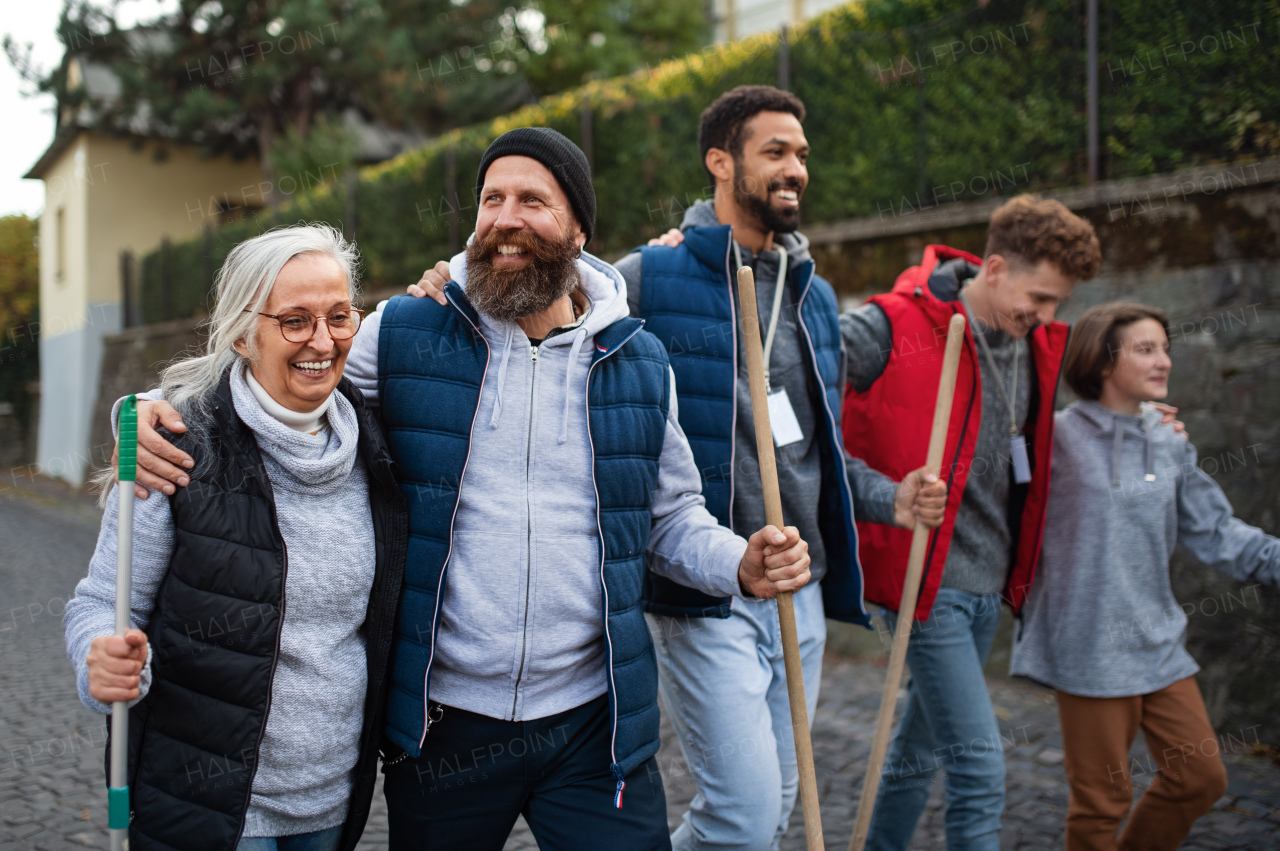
x,y
1189,775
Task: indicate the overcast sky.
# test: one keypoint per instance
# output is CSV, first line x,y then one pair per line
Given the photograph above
x,y
28,121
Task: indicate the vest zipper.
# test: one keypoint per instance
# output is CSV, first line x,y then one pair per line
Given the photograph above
x,y
1031,411
528,578
614,768
975,395
733,418
833,429
435,616
275,661
386,617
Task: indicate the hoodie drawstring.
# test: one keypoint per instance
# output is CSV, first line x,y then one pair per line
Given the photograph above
x,y
1151,451
578,339
502,375
1117,444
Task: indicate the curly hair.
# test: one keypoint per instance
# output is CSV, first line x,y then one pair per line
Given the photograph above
x,y
1029,229
723,122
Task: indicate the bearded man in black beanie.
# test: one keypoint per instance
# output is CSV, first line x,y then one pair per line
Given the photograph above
x,y
497,284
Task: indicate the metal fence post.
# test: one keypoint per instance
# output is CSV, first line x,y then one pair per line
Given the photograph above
x,y
455,201
784,60
922,128
166,296
126,289
1091,87
349,203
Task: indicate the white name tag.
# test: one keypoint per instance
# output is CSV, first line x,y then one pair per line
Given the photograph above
x,y
782,417
1021,463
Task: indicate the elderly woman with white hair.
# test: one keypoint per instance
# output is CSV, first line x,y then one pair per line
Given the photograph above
x,y
264,593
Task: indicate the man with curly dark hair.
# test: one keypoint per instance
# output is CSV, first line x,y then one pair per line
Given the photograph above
x,y
997,471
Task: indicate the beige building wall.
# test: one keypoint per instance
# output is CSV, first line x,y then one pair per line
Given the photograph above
x,y
63,230
105,195
146,193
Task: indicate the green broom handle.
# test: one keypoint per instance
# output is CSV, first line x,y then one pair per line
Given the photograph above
x,y
127,472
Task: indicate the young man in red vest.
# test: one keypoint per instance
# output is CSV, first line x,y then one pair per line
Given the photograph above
x,y
996,466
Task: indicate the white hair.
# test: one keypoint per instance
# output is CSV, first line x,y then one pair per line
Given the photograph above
x,y
242,288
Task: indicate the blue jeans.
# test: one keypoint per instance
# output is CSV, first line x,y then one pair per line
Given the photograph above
x,y
320,840
723,686
948,723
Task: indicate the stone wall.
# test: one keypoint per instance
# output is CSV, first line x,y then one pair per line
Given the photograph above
x,y
131,363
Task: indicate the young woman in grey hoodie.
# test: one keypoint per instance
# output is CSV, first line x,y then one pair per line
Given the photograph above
x,y
1101,624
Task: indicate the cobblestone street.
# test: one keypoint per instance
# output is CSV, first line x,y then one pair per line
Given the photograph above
x,y
52,794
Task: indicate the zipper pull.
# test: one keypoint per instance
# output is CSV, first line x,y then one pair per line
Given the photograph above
x,y
533,353
622,784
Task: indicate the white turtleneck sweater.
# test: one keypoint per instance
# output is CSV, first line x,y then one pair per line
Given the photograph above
x,y
308,422
302,782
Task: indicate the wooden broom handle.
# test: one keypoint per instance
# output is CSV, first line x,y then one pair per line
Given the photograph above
x,y
773,516
910,588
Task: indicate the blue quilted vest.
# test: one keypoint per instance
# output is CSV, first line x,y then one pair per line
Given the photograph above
x,y
431,365
687,302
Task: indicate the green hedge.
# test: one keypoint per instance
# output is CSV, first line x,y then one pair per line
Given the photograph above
x,y
911,103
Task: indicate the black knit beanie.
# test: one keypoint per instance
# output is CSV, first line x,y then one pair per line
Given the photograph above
x,y
565,160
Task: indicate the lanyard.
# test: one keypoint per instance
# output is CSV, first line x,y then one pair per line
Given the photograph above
x,y
991,361
777,303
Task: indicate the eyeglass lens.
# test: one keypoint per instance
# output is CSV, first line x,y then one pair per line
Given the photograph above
x,y
299,327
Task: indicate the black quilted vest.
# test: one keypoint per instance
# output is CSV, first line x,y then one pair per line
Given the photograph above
x,y
214,634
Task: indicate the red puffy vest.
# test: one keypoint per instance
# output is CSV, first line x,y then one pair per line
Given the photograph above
x,y
888,427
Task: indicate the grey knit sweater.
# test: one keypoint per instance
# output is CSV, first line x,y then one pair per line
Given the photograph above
x,y
303,778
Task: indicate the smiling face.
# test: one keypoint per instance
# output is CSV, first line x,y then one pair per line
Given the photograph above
x,y
521,196
1020,296
301,376
527,241
771,174
1141,369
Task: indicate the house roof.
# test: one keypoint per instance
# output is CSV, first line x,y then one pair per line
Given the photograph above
x,y
61,141
100,85
375,141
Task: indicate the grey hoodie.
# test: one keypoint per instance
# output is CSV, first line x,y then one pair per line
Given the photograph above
x,y
1101,619
800,463
521,629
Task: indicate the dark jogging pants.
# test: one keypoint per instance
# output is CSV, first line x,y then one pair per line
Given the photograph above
x,y
476,774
